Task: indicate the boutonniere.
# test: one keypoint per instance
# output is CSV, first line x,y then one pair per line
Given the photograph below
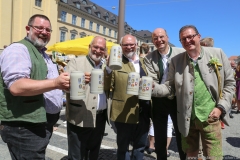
x,y
214,63
216,66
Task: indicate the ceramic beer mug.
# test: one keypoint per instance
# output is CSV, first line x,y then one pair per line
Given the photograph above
x,y
97,81
133,83
77,85
115,61
145,88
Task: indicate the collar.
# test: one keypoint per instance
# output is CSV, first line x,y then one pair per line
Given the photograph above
x,y
93,63
168,53
199,57
40,50
134,61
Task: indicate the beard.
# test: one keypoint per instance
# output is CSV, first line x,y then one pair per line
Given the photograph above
x,y
38,43
130,55
93,56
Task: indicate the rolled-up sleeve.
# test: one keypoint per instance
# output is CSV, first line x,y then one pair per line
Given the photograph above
x,y
15,63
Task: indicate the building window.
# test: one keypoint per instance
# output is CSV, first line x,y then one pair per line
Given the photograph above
x,y
78,5
114,21
83,23
94,7
147,41
99,15
38,3
115,34
63,16
152,48
84,2
109,33
104,30
97,28
73,36
82,34
107,19
74,18
89,10
90,25
62,36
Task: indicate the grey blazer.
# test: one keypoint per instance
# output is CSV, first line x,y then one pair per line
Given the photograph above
x,y
81,112
151,62
181,81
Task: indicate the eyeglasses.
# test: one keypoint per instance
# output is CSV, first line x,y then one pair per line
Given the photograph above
x,y
126,45
190,37
41,28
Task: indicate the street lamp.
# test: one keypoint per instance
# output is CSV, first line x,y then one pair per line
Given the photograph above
x,y
121,17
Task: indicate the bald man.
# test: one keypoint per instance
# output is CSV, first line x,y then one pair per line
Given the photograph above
x,y
86,118
157,64
130,115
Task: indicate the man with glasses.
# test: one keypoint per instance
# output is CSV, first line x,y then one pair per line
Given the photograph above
x,y
86,118
157,63
130,115
25,79
203,82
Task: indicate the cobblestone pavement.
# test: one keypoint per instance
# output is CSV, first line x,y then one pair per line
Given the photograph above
x,y
57,148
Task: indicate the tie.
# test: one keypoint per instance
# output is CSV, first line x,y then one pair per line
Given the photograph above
x,y
160,65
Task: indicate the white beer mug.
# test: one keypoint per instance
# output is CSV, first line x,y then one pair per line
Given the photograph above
x,y
145,88
77,85
133,83
115,61
97,81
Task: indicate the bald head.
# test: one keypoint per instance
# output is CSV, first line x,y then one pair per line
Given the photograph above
x,y
160,40
97,49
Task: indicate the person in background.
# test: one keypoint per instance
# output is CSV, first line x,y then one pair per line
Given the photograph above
x,y
157,63
22,110
207,42
131,116
86,118
203,83
234,100
237,78
144,50
151,147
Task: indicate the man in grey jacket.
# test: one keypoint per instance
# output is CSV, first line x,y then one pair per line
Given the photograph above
x,y
157,64
203,83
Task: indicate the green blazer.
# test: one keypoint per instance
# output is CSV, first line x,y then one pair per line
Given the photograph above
x,y
125,107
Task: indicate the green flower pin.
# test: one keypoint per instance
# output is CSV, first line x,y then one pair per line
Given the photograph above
x,y
214,62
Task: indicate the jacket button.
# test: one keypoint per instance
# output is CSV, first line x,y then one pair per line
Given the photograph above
x,y
94,97
93,107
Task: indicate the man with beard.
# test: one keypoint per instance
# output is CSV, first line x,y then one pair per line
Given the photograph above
x,y
86,118
202,80
24,80
130,115
157,64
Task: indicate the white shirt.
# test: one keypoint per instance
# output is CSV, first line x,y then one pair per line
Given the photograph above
x,y
102,99
165,65
135,63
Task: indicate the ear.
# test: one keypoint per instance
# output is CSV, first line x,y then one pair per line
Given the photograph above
x,y
27,29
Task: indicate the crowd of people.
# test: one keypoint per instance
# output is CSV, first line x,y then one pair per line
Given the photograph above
x,y
193,90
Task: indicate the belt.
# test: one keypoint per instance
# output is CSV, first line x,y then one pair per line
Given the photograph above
x,y
101,111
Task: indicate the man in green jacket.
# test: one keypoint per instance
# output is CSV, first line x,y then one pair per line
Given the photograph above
x,y
22,84
130,115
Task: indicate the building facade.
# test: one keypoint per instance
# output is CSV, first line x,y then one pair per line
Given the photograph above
x,y
70,19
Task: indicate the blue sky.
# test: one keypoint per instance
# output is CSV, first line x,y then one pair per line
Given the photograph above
x,y
219,19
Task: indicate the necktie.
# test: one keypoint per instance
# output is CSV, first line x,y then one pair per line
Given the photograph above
x,y
160,65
